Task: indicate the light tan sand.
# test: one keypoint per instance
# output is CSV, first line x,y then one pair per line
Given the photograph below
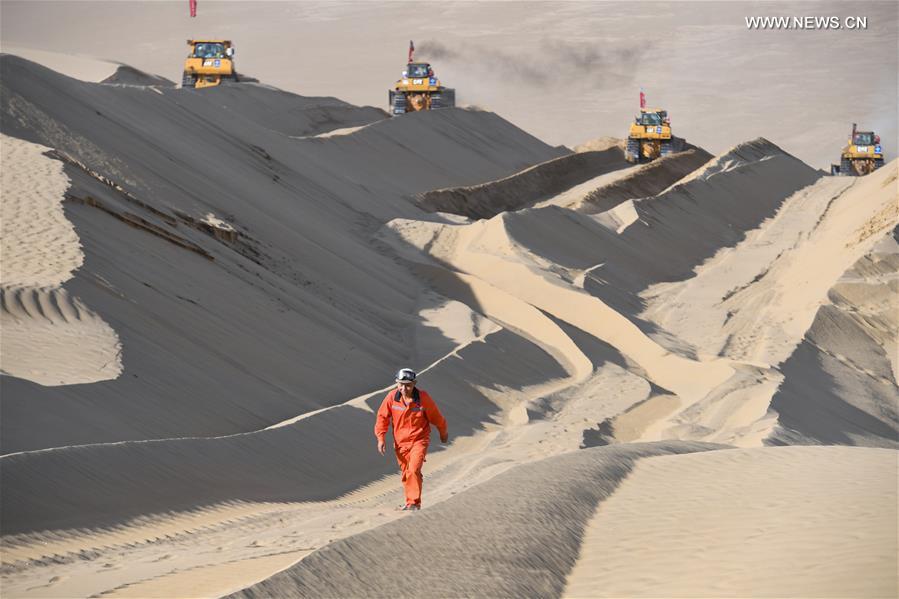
x,y
162,556
577,193
599,144
764,522
48,336
457,322
76,66
211,581
39,245
754,302
484,251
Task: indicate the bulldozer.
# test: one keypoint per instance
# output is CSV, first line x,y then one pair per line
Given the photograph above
x,y
862,155
650,135
419,89
209,63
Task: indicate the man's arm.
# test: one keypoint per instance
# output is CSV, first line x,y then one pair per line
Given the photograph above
x,y
382,424
434,416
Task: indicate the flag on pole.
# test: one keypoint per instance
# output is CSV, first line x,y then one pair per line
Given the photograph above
x,y
642,99
411,50
193,8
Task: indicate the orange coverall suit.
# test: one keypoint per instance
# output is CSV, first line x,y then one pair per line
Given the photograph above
x,y
411,434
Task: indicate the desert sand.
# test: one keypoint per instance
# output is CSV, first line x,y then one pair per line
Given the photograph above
x,y
57,339
661,379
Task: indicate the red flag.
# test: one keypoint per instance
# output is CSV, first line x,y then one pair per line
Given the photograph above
x,y
193,8
642,99
411,49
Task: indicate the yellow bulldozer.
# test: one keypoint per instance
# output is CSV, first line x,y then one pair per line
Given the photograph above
x,y
419,89
862,155
650,135
209,63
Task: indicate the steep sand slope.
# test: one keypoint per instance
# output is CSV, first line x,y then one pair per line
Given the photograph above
x,y
297,291
817,521
840,384
756,301
485,251
526,188
647,180
590,181
672,232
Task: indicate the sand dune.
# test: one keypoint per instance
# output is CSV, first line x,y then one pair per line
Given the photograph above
x,y
485,251
127,75
735,529
525,188
302,209
755,302
773,283
648,180
266,264
717,212
529,550
852,341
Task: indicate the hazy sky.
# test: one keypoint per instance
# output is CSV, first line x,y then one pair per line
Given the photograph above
x,y
564,71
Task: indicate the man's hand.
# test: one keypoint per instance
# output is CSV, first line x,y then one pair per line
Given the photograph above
x,y
382,446
444,438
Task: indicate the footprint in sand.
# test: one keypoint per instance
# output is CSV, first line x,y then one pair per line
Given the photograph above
x,y
50,583
164,557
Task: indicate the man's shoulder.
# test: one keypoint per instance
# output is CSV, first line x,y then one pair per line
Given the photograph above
x,y
425,396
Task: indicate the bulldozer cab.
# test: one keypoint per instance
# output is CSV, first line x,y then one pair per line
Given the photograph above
x,y
863,138
418,70
209,50
649,118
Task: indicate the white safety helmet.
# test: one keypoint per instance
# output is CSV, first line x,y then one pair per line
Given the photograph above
x,y
406,375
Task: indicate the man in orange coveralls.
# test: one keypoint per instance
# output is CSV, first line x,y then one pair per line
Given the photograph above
x,y
412,412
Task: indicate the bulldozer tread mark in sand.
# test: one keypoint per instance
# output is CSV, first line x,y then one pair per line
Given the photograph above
x,y
419,89
861,156
210,63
